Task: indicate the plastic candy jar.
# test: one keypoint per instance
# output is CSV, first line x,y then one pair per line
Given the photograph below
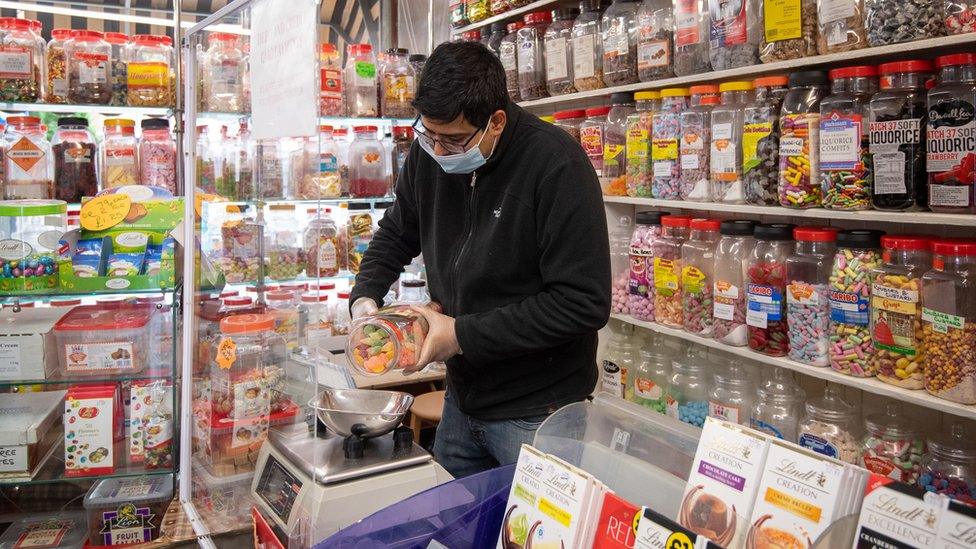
x,y
893,447
23,59
330,80
641,285
283,305
778,404
322,248
570,121
398,85
559,53
318,168
807,304
359,78
30,230
89,68
592,138
898,119
760,141
655,28
588,47
615,142
56,90
148,72
619,25
799,173
840,26
391,338
691,37
343,319
695,143
697,266
846,171
725,152
246,375
157,155
951,159
619,359
28,164
667,270
735,32
896,312
639,144
530,45
402,141
355,237
766,289
949,321
620,264
857,256
665,135
891,22
241,238
118,155
733,393
688,390
652,374
950,466
223,74
729,289
459,13
285,261
318,318
789,33
75,155
367,165
508,55
831,426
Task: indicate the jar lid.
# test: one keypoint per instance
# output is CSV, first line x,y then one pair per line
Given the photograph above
x,y
597,111
403,132
32,207
647,95
279,295
914,65
738,227
87,35
771,81
15,23
674,92
146,38
72,121
955,59
314,298
247,324
622,98
703,224
267,287
906,242
64,302
815,234
515,25
537,17
364,129
650,218
470,36
343,295
229,293
703,89
860,239
114,316
327,48
574,113
955,246
120,123
831,406
23,120
710,100
808,78
325,128
418,57
955,444
61,34
116,38
774,231
855,71
679,221
322,286
223,36
294,286
741,85
147,299
892,423
399,51
155,124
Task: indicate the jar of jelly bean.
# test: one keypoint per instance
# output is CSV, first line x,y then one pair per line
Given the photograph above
x,y
807,306
390,338
665,135
725,155
760,141
697,268
694,145
652,374
949,321
779,401
766,289
729,288
846,172
641,284
639,144
799,121
689,387
950,466
831,426
893,446
667,270
620,264
857,256
733,394
896,312
951,160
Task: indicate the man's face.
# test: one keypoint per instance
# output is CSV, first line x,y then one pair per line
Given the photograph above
x,y
459,135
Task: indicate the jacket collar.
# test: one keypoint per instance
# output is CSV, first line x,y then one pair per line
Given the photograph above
x,y
513,116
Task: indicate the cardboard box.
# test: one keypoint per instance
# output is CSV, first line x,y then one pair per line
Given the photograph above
x,y
27,349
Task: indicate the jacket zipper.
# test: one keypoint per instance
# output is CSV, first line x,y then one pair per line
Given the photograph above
x,y
464,243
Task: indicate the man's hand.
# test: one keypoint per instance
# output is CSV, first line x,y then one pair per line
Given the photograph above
x,y
363,306
441,342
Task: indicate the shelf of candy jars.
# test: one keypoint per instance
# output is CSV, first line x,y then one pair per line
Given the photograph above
x,y
467,15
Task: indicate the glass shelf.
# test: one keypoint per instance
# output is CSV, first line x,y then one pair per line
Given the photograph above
x,y
69,380
86,297
72,108
52,471
348,120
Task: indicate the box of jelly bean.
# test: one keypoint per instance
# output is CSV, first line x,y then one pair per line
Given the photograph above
x,y
897,516
91,419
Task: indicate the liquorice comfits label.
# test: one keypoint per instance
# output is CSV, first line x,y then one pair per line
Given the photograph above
x,y
127,524
840,142
849,308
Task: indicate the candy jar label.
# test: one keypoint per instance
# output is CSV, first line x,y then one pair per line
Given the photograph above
x,y
691,279
665,275
686,24
765,299
818,444
782,20
849,308
614,378
751,135
893,312
801,293
761,425
941,322
646,388
728,23
723,411
840,142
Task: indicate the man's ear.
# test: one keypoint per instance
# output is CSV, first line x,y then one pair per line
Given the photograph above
x,y
498,120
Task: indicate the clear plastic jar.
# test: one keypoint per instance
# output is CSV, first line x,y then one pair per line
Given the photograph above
x,y
655,45
799,122
949,321
665,135
223,74
89,68
570,121
831,426
760,141
893,446
318,318
588,47
846,169
390,338
641,286
807,305
330,82
951,160
30,230
697,270
695,143
733,393
23,60
559,52
667,270
121,54
247,360
322,249
891,22
285,261
367,165
729,289
398,85
235,179
766,289
689,387
149,66
402,141
639,127
735,31
359,78
459,13
896,312
591,137
652,375
950,466
28,163
779,400
355,237
691,37
241,237
317,175
283,306
530,46
858,255
56,90
157,155
619,28
619,360
615,143
898,119
75,155
787,32
840,26
620,264
725,154
118,155
343,319
508,55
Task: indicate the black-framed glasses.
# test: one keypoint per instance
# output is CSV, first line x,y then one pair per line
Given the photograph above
x,y
452,145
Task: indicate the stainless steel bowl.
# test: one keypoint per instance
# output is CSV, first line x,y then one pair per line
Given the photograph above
x,y
364,412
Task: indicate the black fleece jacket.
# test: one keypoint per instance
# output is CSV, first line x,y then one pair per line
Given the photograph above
x,y
518,253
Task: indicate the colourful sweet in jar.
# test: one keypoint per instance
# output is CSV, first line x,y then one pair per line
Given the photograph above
x,y
392,338
851,346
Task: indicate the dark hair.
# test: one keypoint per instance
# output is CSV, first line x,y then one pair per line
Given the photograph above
x,y
461,78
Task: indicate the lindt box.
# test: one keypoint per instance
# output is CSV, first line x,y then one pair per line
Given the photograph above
x,y
896,516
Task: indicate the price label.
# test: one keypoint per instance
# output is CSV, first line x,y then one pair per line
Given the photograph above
x,y
679,540
104,212
226,353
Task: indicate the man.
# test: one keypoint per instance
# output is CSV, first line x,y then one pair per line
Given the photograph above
x,y
508,214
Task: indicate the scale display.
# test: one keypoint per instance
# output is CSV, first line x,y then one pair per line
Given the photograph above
x,y
278,488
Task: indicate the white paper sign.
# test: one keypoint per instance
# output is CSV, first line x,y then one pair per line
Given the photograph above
x,y
284,67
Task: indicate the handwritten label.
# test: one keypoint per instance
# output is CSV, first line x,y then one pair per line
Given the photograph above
x,y
226,353
104,212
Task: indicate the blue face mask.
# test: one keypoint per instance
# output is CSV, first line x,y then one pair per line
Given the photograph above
x,y
466,162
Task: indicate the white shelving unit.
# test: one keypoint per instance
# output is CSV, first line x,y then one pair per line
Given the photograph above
x,y
9,107
510,15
